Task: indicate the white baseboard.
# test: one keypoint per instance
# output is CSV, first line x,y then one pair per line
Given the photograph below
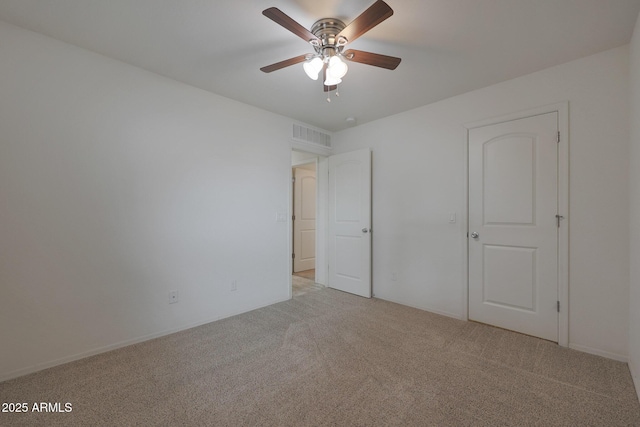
x,y
578,347
598,352
50,364
636,379
424,308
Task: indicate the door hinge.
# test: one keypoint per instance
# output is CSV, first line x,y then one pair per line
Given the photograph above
x,y
558,137
293,217
293,256
558,218
558,306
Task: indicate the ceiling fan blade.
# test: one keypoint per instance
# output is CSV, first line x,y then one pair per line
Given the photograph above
x,y
377,12
279,17
283,64
375,59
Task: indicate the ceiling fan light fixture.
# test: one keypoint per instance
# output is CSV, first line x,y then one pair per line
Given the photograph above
x,y
313,67
337,67
332,80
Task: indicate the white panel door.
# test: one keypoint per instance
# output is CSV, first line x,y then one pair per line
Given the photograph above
x,y
513,232
304,222
350,222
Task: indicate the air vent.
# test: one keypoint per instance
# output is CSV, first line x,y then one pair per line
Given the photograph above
x,y
311,136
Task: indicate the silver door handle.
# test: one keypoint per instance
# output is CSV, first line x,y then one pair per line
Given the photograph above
x,y
475,235
365,230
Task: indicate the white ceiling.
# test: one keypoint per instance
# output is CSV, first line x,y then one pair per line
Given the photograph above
x,y
447,47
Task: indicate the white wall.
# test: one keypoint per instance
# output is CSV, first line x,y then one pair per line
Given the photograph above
x,y
118,185
634,178
419,174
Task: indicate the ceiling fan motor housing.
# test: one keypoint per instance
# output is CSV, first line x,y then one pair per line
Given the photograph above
x,y
327,30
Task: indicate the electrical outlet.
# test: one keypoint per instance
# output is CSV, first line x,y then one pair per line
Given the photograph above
x,y
173,297
234,285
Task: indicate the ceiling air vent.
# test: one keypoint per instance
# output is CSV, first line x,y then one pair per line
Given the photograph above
x,y
311,136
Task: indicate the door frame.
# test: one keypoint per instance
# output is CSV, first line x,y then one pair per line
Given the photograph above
x,y
562,108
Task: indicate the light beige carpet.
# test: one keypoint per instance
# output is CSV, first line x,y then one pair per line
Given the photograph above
x,y
329,358
301,285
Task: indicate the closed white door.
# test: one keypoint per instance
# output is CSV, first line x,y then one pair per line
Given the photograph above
x,y
350,222
304,220
513,228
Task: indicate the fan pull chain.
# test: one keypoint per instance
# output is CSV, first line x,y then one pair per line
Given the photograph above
x,y
329,94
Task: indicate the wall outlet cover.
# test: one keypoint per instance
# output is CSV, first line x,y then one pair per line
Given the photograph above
x,y
173,297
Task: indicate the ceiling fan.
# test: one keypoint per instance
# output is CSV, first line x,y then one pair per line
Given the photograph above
x,y
329,36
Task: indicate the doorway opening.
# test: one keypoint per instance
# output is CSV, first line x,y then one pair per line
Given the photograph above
x,y
342,221
304,229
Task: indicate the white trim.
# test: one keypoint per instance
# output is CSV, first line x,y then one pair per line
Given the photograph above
x,y
319,242
464,233
290,228
635,378
556,107
322,199
562,108
598,352
40,366
563,233
423,308
311,148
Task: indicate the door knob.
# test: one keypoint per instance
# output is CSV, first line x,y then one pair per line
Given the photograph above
x,y
475,235
365,230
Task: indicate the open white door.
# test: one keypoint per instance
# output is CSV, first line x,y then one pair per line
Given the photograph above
x,y
350,222
304,220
